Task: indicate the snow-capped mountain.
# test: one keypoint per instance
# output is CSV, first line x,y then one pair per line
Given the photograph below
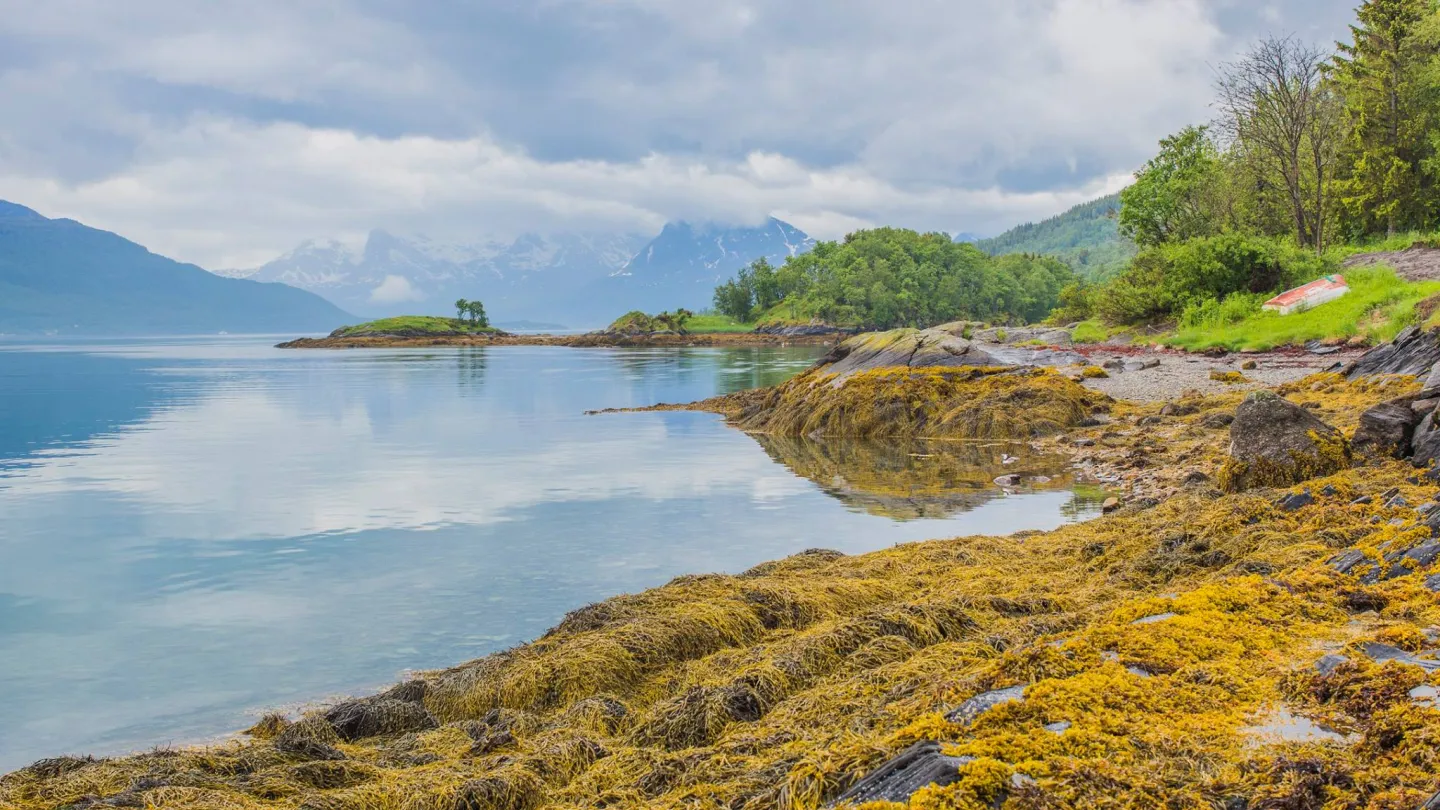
x,y
682,266
582,280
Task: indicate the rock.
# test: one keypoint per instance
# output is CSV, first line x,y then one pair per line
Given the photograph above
x,y
1155,619
1133,366
1424,406
1413,560
1084,442
1275,443
1397,502
1113,364
804,330
1432,583
1150,420
1329,663
1363,500
1386,430
1425,442
1411,352
1110,505
1059,727
906,347
1295,501
1178,409
1196,478
1249,365
966,712
1216,421
1008,481
1433,804
1329,491
1381,653
918,766
387,713
1139,672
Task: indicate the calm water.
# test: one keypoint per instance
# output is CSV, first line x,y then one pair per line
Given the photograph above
x,y
192,531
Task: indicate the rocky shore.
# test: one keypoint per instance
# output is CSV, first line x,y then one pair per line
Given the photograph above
x,y
588,340
1253,624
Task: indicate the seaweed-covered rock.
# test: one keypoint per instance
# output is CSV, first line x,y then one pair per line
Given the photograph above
x,y
967,712
312,738
908,348
1275,443
918,766
1381,653
1416,559
1386,429
394,712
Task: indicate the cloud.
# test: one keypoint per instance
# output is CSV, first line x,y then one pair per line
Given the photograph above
x,y
227,132
395,290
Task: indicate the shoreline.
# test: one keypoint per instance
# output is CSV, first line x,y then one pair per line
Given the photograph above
x,y
590,340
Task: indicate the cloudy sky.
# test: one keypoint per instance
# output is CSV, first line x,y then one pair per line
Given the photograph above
x,y
226,132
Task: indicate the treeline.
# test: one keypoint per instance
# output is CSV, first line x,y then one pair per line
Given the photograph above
x,y
1085,237
1312,148
889,277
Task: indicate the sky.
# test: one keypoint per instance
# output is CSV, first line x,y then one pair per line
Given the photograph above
x,y
227,132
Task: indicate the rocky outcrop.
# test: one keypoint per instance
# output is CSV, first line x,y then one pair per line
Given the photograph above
x,y
1276,443
1386,430
906,348
804,330
921,765
1414,351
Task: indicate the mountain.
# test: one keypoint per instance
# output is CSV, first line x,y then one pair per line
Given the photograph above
x,y
1086,237
682,266
580,280
393,275
59,276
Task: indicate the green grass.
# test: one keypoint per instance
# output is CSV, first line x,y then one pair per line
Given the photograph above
x,y
1378,306
411,324
1402,241
1090,332
716,324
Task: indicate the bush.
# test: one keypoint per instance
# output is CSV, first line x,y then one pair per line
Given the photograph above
x,y
1213,314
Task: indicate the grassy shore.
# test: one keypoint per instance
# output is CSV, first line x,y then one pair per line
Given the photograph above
x,y
415,325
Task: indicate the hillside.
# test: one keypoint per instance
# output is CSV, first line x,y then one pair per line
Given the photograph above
x,y
59,276
1085,237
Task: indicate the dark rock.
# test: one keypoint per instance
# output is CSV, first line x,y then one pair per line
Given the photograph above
x,y
1196,478
373,716
1113,364
1329,491
804,330
916,767
1432,583
1425,442
1178,409
1329,663
1386,430
1349,562
1433,804
1363,500
1216,421
966,712
1150,420
1295,501
1381,653
1084,442
1412,352
1414,560
1274,442
1008,481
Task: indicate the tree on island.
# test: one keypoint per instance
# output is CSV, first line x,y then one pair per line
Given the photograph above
x,y
675,321
471,311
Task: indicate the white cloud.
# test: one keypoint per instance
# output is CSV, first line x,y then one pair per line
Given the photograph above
x,y
395,290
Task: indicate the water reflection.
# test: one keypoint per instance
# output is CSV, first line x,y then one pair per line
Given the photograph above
x,y
192,531
916,479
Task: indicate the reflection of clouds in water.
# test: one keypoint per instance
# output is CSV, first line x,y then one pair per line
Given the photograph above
x,y
242,454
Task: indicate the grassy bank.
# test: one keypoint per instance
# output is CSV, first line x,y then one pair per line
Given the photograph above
x,y
414,325
1378,306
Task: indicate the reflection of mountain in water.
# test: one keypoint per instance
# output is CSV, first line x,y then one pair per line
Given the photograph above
x,y
914,480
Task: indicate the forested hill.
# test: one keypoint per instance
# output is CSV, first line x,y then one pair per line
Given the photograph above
x,y
1086,237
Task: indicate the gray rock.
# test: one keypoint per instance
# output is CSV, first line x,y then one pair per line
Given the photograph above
x,y
1295,501
1380,653
906,347
1424,406
1425,442
1179,409
1432,583
1216,421
1274,440
966,712
1415,559
1386,430
1084,442
918,766
1058,727
1397,502
1132,366
1329,663
1158,617
1139,672
1348,562
1411,352
1363,500
1433,804
1008,481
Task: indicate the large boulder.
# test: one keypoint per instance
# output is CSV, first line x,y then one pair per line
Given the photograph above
x,y
915,348
1386,430
1414,351
1276,443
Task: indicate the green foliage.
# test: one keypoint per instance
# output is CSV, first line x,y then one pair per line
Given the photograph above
x,y
472,312
1172,198
1090,332
1165,279
890,277
637,322
1390,81
1085,237
1377,307
416,325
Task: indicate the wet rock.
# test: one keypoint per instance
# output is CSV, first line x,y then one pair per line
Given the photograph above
x,y
1329,663
1381,653
1274,442
381,714
1386,430
1295,501
918,766
966,712
1110,505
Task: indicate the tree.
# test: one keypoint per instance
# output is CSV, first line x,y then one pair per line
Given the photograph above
x,y
477,313
1283,120
462,307
735,299
1385,75
1171,197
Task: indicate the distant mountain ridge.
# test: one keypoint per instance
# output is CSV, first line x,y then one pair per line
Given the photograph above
x,y
1087,237
576,279
58,276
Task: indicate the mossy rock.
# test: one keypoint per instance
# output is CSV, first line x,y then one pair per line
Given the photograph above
x,y
1276,443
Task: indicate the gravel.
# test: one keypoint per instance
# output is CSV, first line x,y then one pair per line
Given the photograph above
x,y
1179,372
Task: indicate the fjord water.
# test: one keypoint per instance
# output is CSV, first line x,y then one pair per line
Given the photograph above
x,y
193,531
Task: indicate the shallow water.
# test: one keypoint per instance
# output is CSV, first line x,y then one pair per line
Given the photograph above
x,y
192,531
